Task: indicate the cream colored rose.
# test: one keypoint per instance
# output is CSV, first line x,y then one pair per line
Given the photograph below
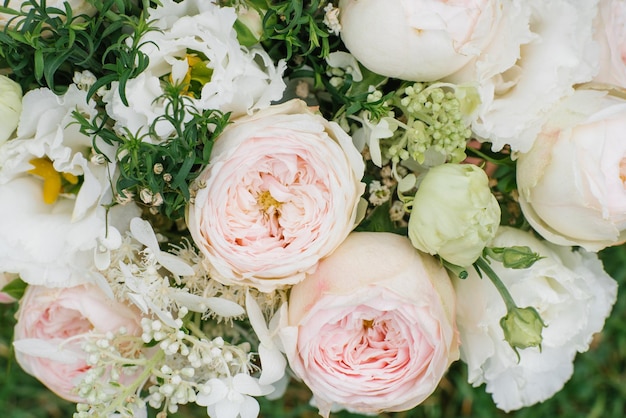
x,y
372,329
281,191
10,107
454,213
571,182
419,40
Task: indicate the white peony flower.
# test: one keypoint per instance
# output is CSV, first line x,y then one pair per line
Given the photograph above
x,y
542,49
196,39
571,292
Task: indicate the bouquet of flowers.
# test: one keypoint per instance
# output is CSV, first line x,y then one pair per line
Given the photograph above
x,y
201,201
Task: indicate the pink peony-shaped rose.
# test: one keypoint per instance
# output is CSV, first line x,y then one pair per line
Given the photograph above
x,y
373,328
281,192
52,324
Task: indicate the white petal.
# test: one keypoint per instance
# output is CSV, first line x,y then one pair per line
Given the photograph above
x,y
273,365
258,321
44,349
246,384
173,263
249,408
142,231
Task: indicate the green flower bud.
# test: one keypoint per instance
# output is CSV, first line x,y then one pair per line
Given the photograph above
x,y
522,328
515,257
454,213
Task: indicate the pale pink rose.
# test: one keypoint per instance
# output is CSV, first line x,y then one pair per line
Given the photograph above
x,y
281,192
53,323
5,279
373,328
610,34
571,183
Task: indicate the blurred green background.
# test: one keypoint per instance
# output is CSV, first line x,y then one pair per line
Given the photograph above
x,y
597,389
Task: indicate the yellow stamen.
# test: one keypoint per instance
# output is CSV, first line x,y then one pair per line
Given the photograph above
x,y
52,179
368,323
266,201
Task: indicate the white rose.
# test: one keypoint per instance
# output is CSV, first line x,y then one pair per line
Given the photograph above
x,y
572,293
571,182
419,40
610,34
454,213
10,106
281,191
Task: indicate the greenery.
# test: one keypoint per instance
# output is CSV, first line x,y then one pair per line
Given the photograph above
x,y
596,390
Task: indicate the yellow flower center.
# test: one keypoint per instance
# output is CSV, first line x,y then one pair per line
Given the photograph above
x,y
197,71
52,179
267,201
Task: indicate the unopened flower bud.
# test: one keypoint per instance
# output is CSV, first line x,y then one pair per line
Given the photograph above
x,y
522,328
516,257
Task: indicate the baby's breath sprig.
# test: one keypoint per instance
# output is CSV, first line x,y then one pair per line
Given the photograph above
x,y
157,174
45,46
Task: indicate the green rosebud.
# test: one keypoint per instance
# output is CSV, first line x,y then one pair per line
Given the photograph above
x,y
515,257
454,213
522,328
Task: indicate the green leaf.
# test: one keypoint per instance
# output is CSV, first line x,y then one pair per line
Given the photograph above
x,y
15,288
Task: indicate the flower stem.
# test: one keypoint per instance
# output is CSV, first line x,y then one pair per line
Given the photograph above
x,y
482,265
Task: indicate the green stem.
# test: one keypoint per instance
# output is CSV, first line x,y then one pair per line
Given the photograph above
x,y
482,265
139,381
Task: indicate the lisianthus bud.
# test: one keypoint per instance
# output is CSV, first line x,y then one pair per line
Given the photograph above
x,y
249,26
10,106
454,213
522,328
516,257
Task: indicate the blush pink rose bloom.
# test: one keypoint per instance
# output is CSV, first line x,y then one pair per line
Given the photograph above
x,y
281,191
52,324
373,328
610,34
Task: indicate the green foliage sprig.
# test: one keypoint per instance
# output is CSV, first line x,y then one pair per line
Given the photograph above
x,y
45,45
161,171
297,29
